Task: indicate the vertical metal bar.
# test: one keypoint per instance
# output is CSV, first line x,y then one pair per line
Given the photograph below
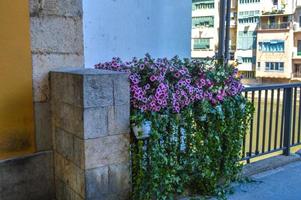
x,y
244,139
294,116
277,118
264,120
287,121
258,122
299,120
282,118
221,37
271,120
227,40
251,131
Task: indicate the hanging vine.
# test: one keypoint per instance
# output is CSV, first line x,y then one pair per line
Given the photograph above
x,y
196,118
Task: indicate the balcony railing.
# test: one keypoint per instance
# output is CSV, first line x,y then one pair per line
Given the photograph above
x,y
296,74
296,53
274,26
276,123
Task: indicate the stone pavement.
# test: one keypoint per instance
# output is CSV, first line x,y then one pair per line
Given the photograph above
x,y
283,183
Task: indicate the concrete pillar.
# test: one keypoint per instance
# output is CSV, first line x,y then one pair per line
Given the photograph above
x,y
90,115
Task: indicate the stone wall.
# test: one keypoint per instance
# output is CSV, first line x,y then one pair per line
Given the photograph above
x,y
90,110
28,177
56,41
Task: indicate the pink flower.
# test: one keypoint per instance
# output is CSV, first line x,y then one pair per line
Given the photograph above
x,y
153,78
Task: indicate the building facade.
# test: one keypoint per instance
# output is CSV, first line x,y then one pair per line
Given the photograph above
x,y
265,37
275,42
205,23
248,12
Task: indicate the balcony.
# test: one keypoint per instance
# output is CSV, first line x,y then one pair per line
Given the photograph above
x,y
296,74
297,70
275,26
296,53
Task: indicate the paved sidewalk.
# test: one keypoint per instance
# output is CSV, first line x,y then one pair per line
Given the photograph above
x,y
283,183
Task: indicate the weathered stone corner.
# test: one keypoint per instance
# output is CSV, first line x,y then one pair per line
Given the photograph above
x,y
90,115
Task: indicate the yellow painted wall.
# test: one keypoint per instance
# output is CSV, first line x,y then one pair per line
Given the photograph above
x,y
16,105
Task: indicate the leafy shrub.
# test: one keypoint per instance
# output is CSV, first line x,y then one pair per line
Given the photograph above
x,y
198,119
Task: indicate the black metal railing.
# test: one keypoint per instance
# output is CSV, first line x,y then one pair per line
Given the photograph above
x,y
267,26
297,74
276,122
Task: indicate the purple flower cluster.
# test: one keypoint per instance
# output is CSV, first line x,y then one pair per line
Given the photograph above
x,y
161,84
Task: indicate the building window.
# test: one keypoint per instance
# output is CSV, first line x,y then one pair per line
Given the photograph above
x,y
247,74
248,1
247,60
207,21
201,43
274,66
275,2
272,20
285,19
246,17
299,48
258,65
272,46
248,20
246,40
202,4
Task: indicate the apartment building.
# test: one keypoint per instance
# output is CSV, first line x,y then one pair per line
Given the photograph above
x,y
296,62
265,37
248,13
275,41
205,22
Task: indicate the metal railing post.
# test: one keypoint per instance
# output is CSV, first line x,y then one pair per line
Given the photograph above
x,y
287,120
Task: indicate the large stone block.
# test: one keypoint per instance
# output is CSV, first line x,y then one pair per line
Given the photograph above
x,y
119,177
79,152
96,122
118,121
72,91
121,90
106,151
56,7
64,192
70,174
29,177
64,143
43,126
68,118
98,90
97,183
69,147
56,35
58,164
43,63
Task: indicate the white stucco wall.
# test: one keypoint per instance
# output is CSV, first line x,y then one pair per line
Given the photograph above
x,y
128,28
